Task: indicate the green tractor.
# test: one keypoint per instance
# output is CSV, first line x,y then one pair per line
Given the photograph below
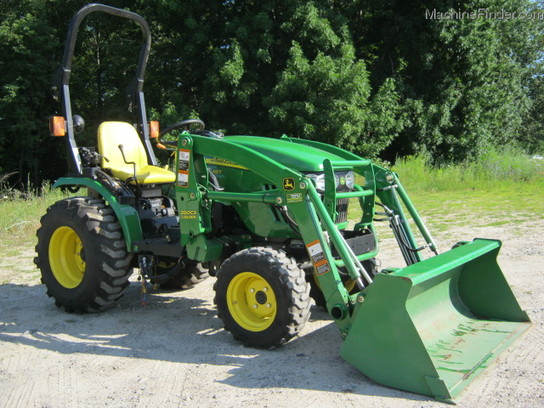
x,y
269,219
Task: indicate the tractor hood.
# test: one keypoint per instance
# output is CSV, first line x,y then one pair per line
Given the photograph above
x,y
296,156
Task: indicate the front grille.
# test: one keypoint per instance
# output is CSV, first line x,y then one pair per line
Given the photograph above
x,y
342,210
342,203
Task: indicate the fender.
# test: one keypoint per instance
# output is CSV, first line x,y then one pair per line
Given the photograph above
x,y
127,215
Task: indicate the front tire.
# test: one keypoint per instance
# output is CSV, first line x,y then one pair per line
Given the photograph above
x,y
82,255
262,297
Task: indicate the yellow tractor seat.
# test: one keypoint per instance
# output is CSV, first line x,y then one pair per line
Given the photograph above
x,y
113,134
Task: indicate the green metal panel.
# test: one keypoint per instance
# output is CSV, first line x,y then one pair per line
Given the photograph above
x,y
203,250
336,295
432,327
301,157
193,196
126,215
250,200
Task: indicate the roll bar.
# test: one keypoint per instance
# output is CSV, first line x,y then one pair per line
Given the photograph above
x,y
61,80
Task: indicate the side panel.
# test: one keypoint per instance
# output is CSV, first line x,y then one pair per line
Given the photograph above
x,y
194,199
127,215
260,218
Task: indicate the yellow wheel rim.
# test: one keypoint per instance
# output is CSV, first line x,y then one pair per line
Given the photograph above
x,y
251,301
67,264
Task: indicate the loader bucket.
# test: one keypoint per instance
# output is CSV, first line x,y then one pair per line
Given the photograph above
x,y
430,328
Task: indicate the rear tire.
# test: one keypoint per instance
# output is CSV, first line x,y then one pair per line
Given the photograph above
x,y
262,297
184,278
82,255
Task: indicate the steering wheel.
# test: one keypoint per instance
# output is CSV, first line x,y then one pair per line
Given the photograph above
x,y
181,124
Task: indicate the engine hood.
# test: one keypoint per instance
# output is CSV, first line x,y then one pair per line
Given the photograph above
x,y
296,156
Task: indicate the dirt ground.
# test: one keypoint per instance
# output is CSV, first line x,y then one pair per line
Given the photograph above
x,y
174,352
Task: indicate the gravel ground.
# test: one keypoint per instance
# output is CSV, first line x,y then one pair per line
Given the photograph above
x,y
174,352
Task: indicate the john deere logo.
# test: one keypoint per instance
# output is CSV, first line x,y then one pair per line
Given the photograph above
x,y
289,183
342,181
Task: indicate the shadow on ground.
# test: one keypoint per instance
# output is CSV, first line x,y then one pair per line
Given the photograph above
x,y
179,328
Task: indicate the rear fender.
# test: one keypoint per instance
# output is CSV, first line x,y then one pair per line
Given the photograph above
x,y
126,215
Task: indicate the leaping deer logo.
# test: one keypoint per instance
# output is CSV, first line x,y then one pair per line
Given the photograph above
x,y
289,184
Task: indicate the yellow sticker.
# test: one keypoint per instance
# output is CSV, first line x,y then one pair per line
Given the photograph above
x,y
188,214
294,198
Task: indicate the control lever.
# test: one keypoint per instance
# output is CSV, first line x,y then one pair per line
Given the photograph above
x,y
133,167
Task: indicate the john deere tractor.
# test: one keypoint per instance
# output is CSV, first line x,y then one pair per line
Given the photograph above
x,y
269,219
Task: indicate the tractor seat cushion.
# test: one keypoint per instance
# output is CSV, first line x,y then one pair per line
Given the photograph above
x,y
113,134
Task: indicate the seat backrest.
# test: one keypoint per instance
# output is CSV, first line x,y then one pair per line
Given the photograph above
x,y
113,134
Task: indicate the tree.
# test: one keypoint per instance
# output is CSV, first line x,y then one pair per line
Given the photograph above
x,y
271,67
462,81
26,47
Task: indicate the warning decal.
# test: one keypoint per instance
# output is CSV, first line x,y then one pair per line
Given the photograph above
x,y
322,267
183,178
315,251
318,257
184,157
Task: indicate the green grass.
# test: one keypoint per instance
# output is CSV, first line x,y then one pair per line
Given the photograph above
x,y
20,215
501,189
495,171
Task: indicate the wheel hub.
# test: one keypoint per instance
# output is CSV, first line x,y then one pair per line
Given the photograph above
x,y
260,297
251,301
67,257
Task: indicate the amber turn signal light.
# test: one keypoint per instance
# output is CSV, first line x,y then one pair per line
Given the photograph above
x,y
57,126
154,129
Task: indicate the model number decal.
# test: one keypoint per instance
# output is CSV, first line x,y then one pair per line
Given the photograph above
x,y
188,214
294,198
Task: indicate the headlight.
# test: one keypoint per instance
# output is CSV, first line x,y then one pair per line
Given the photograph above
x,y
336,181
347,179
319,181
350,179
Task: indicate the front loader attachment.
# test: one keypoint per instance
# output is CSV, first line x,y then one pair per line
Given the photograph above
x,y
431,327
